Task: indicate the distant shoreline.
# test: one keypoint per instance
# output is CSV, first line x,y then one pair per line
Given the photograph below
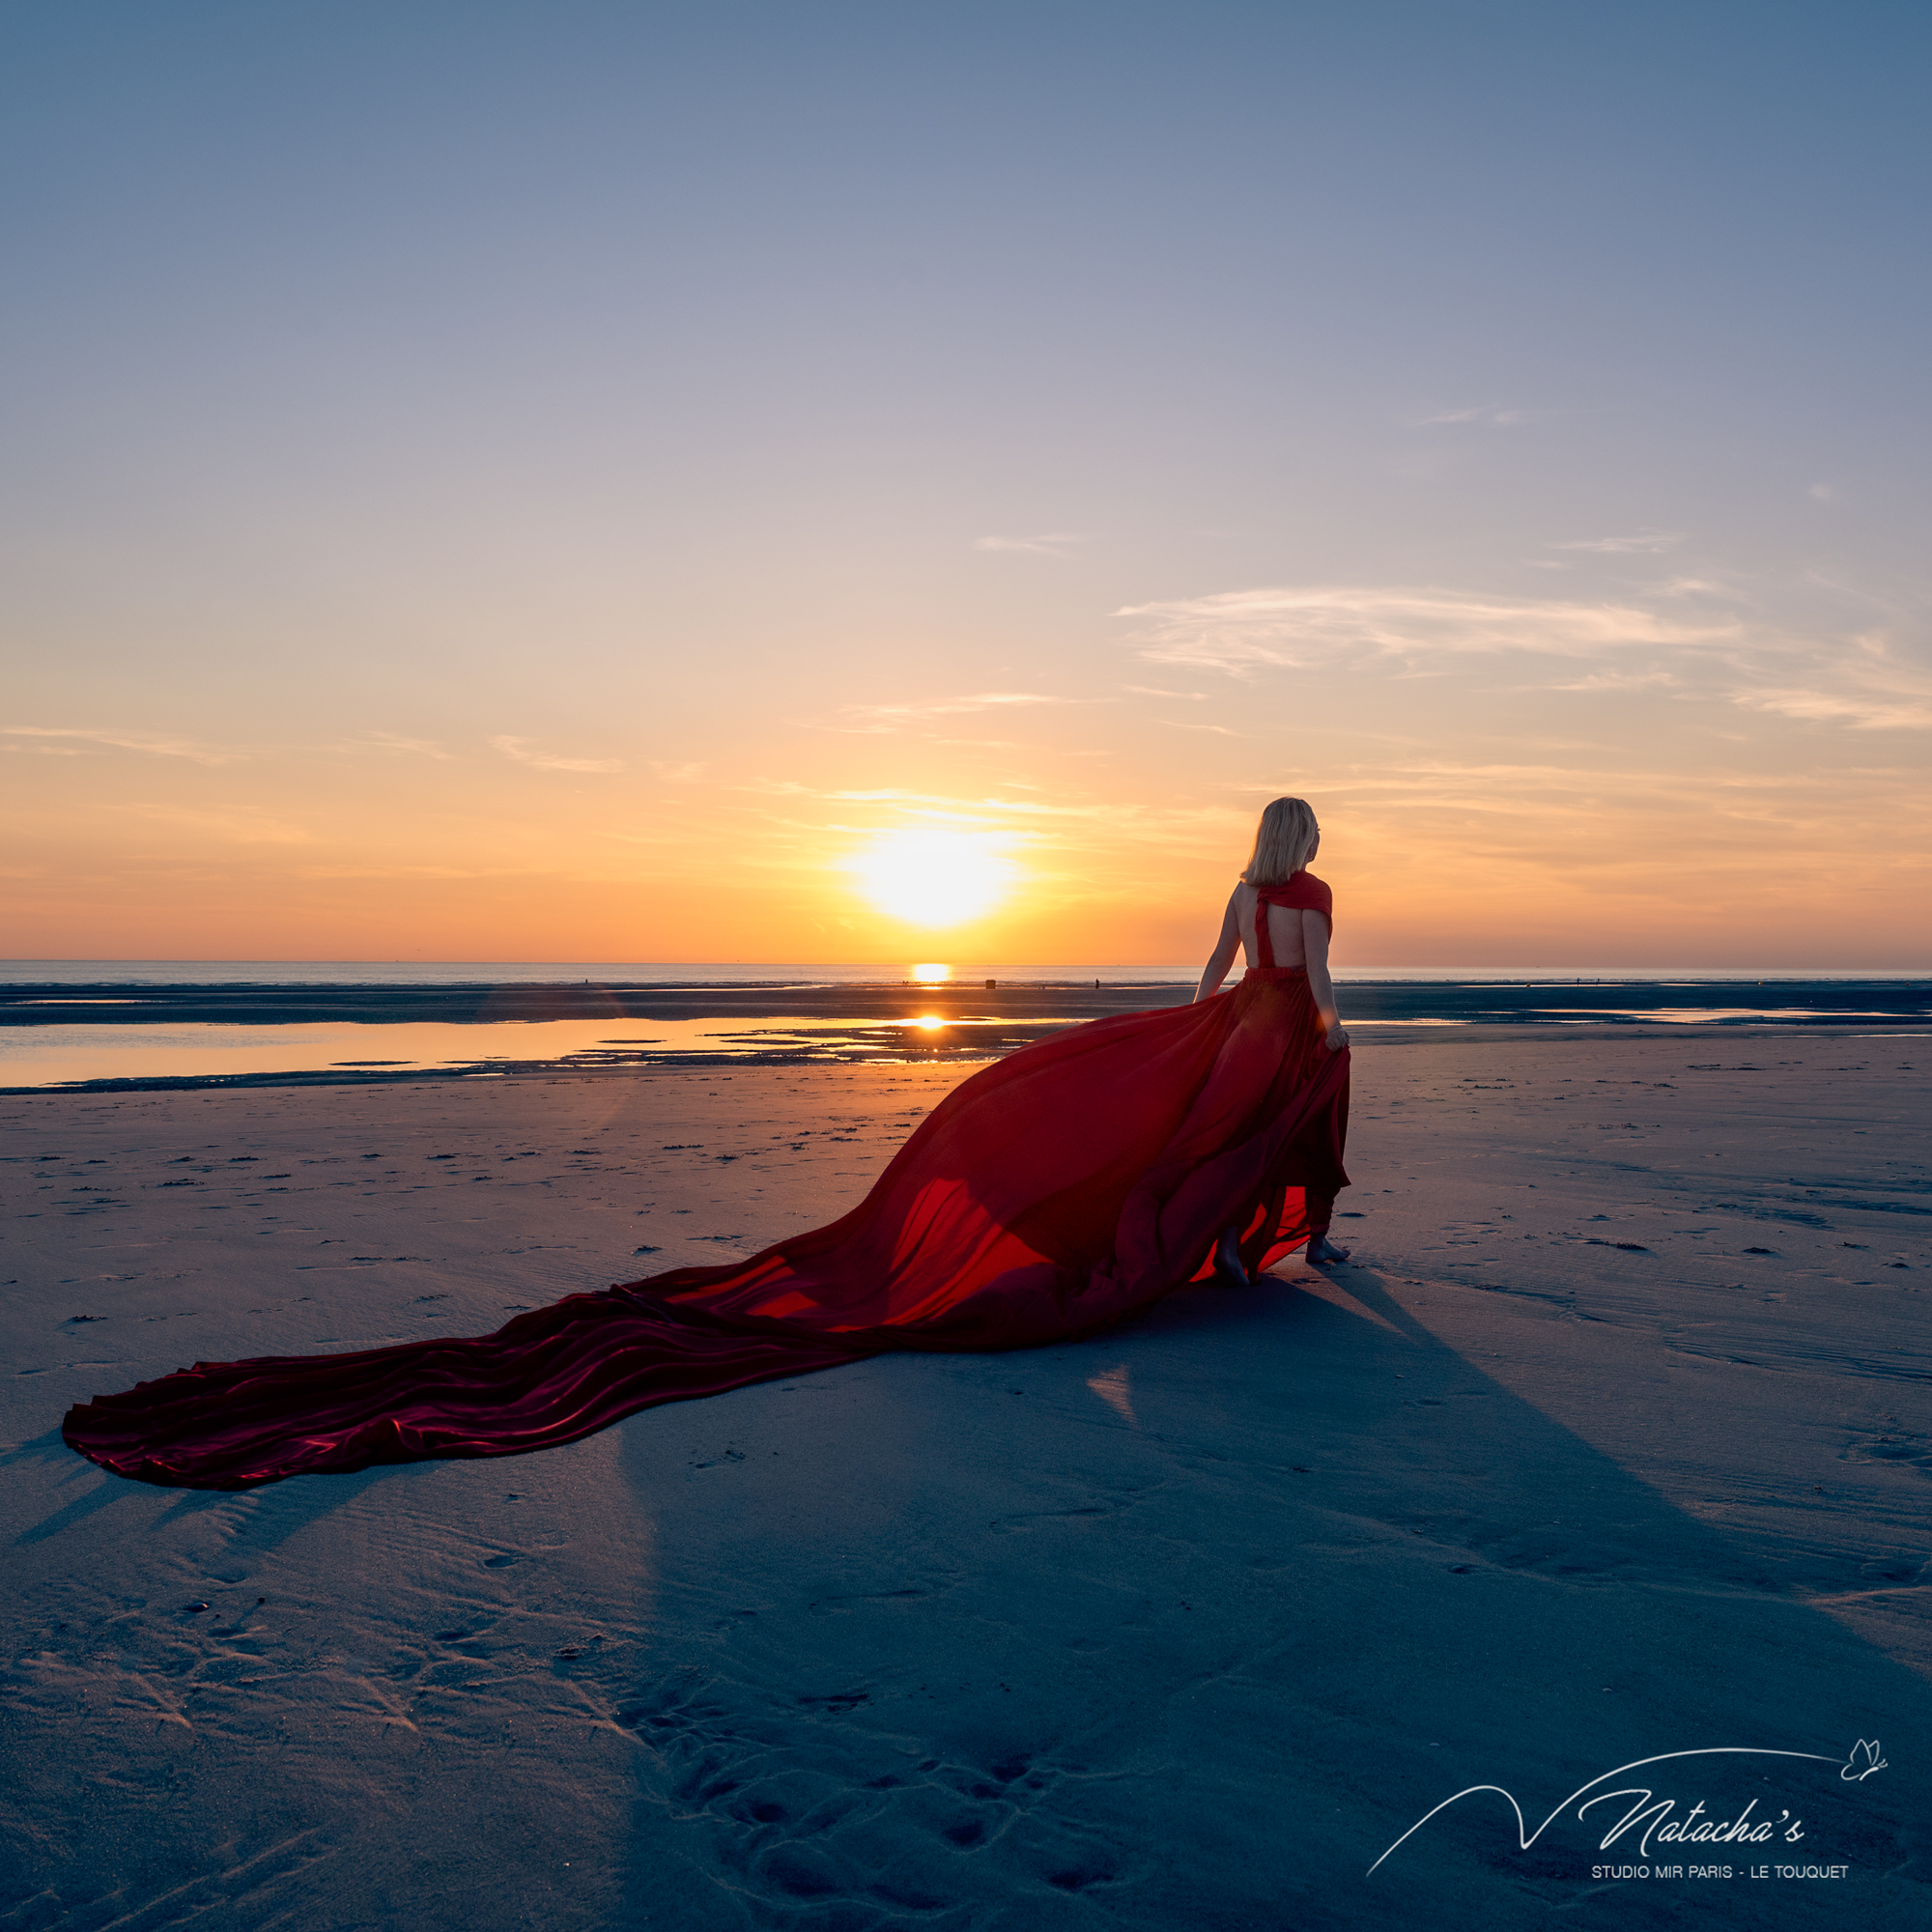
x,y
52,1003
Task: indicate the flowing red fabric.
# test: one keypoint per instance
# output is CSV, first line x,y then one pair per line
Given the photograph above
x,y
1049,1196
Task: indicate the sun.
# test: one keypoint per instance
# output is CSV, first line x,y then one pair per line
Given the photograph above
x,y
933,878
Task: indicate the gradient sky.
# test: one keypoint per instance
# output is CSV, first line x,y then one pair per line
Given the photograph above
x,y
565,481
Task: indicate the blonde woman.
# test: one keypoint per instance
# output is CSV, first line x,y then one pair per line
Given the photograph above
x,y
1056,1192
1282,917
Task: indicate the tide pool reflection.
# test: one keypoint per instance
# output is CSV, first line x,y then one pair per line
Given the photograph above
x,y
195,1051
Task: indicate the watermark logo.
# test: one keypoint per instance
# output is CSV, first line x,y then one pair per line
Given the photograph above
x,y
1651,1819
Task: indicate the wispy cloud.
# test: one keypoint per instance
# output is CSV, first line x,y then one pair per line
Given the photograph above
x,y
1867,684
1645,543
1151,691
1487,413
1620,680
520,750
1110,816
1055,542
389,741
400,873
1864,711
153,745
1692,640
897,717
1241,632
242,824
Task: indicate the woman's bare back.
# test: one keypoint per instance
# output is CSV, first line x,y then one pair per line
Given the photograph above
x,y
1285,934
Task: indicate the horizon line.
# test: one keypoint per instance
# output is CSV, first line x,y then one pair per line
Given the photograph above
x,y
965,965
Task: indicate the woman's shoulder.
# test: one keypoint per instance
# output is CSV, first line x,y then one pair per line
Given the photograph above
x,y
1298,888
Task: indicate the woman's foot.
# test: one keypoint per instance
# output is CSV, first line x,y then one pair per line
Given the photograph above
x,y
1230,1271
1323,1253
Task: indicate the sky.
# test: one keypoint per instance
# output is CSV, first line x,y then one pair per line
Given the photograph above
x,y
899,481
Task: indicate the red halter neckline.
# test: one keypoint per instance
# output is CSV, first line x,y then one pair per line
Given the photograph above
x,y
1302,891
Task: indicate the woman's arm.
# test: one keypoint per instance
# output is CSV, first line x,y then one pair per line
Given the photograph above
x,y
1314,944
1223,956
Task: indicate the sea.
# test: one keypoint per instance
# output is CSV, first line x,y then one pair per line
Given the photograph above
x,y
729,973
109,1025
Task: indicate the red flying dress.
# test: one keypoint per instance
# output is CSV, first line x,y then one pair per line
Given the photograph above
x,y
1051,1195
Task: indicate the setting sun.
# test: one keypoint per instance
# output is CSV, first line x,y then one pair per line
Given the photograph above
x,y
933,878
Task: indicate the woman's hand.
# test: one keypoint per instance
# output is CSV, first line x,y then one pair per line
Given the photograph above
x,y
1338,1037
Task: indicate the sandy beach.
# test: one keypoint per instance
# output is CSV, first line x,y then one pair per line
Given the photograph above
x,y
1612,1442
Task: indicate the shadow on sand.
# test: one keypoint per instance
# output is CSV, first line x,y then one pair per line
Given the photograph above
x,y
1187,1625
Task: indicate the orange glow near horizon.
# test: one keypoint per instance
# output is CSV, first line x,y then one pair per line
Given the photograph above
x,y
929,1022
1104,838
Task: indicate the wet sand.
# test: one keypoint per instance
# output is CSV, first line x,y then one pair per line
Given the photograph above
x,y
1615,1440
1883,1002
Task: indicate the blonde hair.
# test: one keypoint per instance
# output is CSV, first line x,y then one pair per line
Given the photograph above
x,y
1284,840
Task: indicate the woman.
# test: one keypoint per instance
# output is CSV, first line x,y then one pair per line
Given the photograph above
x,y
1294,938
1047,1197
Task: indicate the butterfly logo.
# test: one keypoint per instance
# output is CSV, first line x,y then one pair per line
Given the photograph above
x,y
1862,1762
